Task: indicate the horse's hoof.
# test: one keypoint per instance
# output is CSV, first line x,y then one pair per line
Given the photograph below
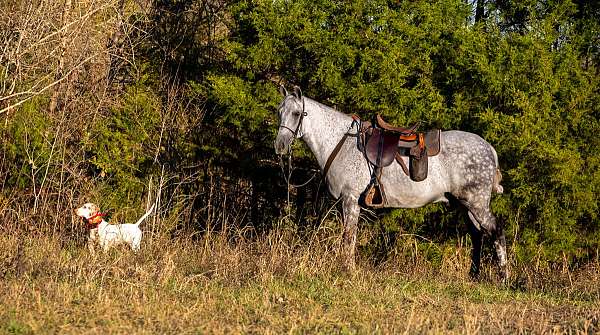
x,y
474,276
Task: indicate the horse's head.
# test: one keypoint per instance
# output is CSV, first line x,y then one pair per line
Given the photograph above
x,y
291,113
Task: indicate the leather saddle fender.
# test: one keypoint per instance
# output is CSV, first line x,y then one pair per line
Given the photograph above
x,y
382,142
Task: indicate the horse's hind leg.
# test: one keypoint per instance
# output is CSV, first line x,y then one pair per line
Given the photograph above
x,y
485,220
476,240
500,246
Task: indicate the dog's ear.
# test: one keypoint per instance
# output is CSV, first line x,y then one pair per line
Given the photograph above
x,y
95,209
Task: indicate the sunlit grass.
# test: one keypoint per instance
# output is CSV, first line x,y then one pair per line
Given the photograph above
x,y
277,283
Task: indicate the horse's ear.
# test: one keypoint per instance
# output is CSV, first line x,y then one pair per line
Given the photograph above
x,y
297,92
283,91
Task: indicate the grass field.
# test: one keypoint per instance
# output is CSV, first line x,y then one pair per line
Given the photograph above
x,y
278,283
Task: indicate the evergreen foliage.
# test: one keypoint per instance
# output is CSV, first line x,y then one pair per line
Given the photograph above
x,y
518,78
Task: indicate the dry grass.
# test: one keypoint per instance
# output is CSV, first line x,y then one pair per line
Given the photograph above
x,y
278,283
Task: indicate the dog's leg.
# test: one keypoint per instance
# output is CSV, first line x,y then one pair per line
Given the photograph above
x,y
136,241
92,240
105,244
91,248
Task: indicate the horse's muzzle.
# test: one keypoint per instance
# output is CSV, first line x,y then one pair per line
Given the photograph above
x,y
282,145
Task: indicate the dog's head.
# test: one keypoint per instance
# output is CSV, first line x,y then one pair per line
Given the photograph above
x,y
87,211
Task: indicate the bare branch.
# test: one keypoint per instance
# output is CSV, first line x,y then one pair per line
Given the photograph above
x,y
47,86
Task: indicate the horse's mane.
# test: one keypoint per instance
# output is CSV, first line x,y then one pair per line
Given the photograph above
x,y
326,107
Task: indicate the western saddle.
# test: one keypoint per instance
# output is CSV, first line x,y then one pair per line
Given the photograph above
x,y
382,143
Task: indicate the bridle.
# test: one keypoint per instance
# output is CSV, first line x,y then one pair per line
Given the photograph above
x,y
288,175
302,115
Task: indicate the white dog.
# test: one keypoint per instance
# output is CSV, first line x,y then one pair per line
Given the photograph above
x,y
109,235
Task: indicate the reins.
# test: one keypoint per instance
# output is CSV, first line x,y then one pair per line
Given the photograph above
x,y
287,176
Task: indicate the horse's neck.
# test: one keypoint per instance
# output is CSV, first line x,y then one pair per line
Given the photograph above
x,y
323,128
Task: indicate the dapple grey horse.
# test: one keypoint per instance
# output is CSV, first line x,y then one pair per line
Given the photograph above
x,y
466,167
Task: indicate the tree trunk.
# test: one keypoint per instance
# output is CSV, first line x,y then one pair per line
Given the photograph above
x,y
479,10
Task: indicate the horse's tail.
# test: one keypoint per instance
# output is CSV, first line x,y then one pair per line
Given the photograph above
x,y
496,187
145,215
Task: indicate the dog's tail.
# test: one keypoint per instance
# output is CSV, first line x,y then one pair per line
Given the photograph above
x,y
145,215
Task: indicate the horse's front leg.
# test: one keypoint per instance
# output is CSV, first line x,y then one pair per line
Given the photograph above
x,y
351,211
